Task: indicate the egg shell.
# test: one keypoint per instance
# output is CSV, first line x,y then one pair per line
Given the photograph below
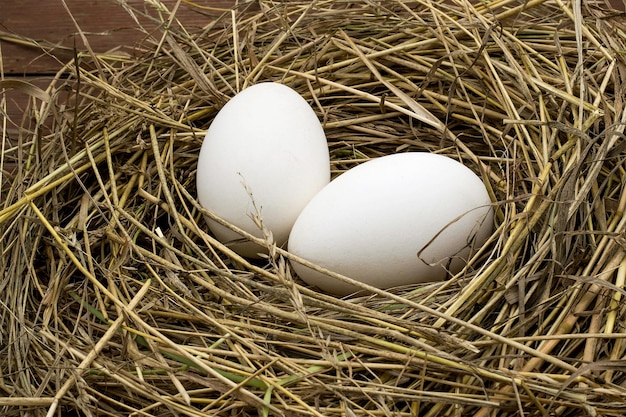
x,y
396,220
265,146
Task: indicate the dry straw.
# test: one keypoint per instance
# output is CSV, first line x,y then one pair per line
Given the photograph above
x,y
117,301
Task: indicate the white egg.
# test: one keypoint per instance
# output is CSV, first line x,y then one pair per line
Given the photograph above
x,y
265,154
395,220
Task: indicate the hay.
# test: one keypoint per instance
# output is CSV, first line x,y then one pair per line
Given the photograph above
x,y
117,301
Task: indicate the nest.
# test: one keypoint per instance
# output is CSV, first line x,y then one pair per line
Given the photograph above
x,y
117,300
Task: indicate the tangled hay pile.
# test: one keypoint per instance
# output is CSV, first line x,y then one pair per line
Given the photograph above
x,y
116,300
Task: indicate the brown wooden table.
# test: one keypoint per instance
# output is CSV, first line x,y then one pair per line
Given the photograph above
x,y
54,23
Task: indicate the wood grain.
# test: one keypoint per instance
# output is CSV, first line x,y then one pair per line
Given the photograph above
x,y
105,25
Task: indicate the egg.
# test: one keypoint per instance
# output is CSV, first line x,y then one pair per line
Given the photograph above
x,y
395,220
264,155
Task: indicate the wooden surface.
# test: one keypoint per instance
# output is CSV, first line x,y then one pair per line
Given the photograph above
x,y
54,23
106,26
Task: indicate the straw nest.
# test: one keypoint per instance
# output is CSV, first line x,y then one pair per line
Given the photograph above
x,y
117,300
